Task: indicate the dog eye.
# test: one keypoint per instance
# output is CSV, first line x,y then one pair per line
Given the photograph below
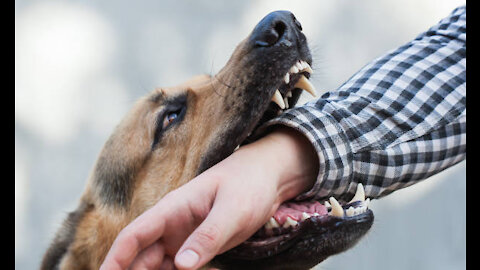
x,y
170,118
171,115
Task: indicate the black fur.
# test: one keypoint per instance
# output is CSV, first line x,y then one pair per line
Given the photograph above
x,y
64,238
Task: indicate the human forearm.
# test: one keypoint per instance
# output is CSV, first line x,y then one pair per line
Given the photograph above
x,y
410,94
289,155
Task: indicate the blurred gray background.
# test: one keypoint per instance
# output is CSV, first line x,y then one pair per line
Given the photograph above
x,y
80,65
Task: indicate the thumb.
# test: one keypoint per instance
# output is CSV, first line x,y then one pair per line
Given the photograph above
x,y
208,239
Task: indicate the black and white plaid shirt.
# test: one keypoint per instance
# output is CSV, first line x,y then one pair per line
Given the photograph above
x,y
399,120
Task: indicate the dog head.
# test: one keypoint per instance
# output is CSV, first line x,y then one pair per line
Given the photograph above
x,y
175,133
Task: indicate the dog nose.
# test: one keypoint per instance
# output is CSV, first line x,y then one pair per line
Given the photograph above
x,y
277,27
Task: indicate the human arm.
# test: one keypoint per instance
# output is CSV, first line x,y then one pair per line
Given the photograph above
x,y
397,121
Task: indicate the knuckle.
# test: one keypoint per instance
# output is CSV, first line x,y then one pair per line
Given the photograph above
x,y
208,237
128,237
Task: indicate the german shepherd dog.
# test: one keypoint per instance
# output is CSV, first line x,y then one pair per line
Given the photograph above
x,y
173,134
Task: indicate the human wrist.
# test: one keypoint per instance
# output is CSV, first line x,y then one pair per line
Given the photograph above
x,y
291,159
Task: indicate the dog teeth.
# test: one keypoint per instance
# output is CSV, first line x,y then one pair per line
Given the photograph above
x,y
360,210
285,100
353,211
294,69
350,211
300,66
359,195
271,223
327,204
305,216
306,67
290,223
337,210
304,84
287,78
277,98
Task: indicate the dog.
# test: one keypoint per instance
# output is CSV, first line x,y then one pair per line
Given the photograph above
x,y
173,134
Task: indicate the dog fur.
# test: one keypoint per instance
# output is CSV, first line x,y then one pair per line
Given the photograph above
x,y
131,174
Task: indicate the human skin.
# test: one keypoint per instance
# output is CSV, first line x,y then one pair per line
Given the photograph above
x,y
220,208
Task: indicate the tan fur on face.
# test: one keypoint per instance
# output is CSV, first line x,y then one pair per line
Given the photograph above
x,y
174,162
146,157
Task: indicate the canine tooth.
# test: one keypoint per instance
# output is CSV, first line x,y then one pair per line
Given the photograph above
x,y
293,69
285,100
274,222
359,195
307,67
327,204
271,223
289,94
305,216
304,84
290,222
350,211
367,202
277,98
337,210
287,78
315,214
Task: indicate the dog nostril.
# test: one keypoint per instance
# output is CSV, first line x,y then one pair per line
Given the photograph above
x,y
272,35
280,28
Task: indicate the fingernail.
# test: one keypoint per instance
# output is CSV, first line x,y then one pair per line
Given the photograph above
x,y
188,258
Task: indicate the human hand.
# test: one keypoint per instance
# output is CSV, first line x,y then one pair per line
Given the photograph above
x,y
218,209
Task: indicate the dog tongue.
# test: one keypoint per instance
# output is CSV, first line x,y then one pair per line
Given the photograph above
x,y
295,210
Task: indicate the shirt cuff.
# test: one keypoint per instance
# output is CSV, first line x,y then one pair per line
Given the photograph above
x,y
330,142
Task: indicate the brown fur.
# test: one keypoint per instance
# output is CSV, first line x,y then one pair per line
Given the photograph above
x,y
136,168
129,177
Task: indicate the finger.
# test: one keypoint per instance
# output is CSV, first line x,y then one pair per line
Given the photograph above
x,y
142,232
149,258
207,240
167,264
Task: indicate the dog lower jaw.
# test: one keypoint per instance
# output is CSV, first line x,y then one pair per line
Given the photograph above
x,y
302,234
311,242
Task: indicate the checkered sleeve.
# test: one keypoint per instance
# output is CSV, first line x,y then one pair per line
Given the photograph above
x,y
397,121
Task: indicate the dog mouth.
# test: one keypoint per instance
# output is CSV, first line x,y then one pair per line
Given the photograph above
x,y
302,234
286,95
299,235
291,216
294,81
